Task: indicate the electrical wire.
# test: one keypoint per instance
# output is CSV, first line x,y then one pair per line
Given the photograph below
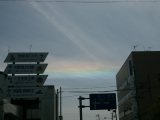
x,y
71,96
116,90
90,87
109,91
87,1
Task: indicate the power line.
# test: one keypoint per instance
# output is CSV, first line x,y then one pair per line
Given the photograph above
x,y
73,96
115,90
87,1
110,91
89,87
100,91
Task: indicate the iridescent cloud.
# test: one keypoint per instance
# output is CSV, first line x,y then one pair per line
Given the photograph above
x,y
79,69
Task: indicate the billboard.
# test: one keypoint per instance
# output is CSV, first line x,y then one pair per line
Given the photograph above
x,y
26,57
105,101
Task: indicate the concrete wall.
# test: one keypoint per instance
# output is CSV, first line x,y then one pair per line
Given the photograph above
x,y
147,79
48,104
126,92
139,85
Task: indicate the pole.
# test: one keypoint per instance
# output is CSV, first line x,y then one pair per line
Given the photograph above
x,y
57,105
60,101
112,115
60,116
115,114
80,107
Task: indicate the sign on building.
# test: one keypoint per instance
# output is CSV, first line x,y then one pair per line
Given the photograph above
x,y
26,92
27,80
24,83
103,101
25,68
26,57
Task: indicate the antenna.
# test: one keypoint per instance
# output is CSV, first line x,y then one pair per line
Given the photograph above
x,y
149,48
30,47
8,49
144,48
134,47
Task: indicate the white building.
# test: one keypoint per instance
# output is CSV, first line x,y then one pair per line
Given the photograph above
x,y
47,108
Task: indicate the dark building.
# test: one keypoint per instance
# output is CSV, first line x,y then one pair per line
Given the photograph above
x,y
138,84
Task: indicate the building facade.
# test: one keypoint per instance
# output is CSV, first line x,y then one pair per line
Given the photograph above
x,y
8,111
2,90
47,108
26,89
138,84
44,107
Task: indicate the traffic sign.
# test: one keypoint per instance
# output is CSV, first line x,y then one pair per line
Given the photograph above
x,y
25,68
26,92
26,57
103,101
27,80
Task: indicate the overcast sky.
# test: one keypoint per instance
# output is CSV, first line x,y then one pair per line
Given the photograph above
x,y
87,41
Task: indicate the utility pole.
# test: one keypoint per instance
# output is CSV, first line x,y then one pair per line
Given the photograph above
x,y
60,116
57,105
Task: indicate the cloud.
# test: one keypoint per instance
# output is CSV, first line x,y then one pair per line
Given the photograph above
x,y
92,48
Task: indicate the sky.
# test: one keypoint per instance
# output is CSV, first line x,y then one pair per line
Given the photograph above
x,y
87,40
